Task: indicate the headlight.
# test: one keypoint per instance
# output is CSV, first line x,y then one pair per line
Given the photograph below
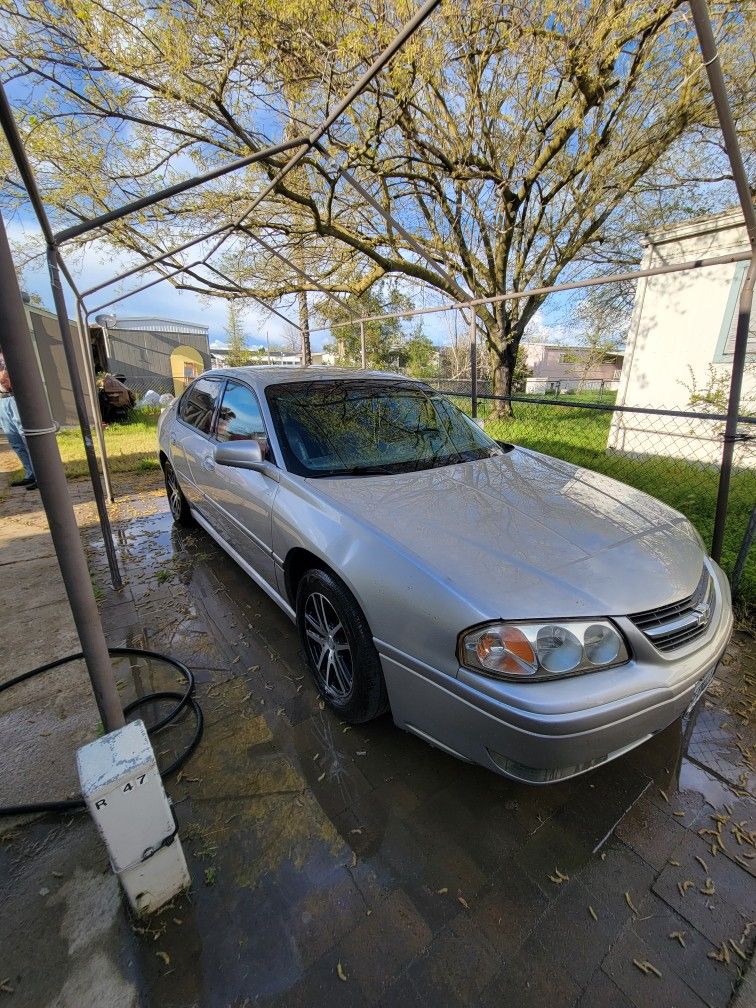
x,y
542,650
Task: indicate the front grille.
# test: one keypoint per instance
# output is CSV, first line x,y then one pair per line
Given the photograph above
x,y
671,626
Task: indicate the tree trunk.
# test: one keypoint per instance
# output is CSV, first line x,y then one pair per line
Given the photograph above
x,y
304,325
502,350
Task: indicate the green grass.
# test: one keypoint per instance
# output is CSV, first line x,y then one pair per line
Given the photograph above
x,y
580,436
131,447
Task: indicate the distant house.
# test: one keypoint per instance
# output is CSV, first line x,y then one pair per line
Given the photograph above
x,y
566,368
680,345
150,353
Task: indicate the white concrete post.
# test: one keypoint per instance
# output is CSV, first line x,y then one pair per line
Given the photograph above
x,y
124,793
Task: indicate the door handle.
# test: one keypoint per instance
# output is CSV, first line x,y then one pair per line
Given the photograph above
x,y
208,463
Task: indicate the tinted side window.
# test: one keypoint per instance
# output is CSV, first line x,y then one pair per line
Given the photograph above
x,y
239,418
198,405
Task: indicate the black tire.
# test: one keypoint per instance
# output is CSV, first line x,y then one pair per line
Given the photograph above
x,y
343,662
176,501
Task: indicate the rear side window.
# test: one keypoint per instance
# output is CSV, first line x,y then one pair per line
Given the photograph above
x,y
198,404
239,417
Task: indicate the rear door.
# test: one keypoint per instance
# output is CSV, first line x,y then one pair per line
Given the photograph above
x,y
192,445
246,497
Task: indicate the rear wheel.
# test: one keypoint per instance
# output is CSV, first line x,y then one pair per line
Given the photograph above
x,y
176,500
339,648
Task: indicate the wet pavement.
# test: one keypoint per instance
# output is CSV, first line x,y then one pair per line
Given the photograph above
x,y
335,865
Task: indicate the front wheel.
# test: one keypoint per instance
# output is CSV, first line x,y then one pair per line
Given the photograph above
x,y
176,501
339,648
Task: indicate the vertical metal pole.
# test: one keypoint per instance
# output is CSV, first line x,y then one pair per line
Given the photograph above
x,y
733,407
53,488
86,351
81,411
473,365
363,350
745,547
707,42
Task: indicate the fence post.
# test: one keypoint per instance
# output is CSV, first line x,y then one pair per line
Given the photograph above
x,y
473,366
733,407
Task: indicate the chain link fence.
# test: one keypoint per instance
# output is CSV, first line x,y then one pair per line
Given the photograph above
x,y
671,454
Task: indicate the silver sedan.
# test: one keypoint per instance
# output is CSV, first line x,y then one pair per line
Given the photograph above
x,y
511,609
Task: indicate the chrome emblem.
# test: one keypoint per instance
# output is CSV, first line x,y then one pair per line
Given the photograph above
x,y
702,614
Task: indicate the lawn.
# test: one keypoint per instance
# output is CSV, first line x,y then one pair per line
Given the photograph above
x,y
131,447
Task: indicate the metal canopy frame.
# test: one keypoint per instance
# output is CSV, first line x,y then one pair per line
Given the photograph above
x,y
302,146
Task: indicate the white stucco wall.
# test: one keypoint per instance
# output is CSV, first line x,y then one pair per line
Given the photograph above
x,y
675,329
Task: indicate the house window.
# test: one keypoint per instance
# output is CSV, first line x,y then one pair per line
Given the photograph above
x,y
726,342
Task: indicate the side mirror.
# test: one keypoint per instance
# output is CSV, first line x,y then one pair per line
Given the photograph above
x,y
240,455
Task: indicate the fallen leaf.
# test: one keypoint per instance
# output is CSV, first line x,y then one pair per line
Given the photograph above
x,y
5,986
646,967
558,877
722,954
679,936
629,902
362,752
702,863
684,886
463,901
322,777
663,794
442,892
675,863
708,889
592,912
737,950
340,972
165,957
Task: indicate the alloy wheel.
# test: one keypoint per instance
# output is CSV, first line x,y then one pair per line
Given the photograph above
x,y
174,493
328,646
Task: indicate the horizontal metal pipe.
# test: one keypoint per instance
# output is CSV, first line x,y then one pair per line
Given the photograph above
x,y
252,297
137,290
93,223
554,289
293,266
373,70
603,407
155,260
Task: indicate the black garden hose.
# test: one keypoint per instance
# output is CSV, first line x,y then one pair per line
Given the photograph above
x,y
184,699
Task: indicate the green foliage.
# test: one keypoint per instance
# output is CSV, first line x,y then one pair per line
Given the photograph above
x,y
387,345
238,354
516,144
712,396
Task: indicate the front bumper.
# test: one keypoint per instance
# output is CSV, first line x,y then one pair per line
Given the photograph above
x,y
543,732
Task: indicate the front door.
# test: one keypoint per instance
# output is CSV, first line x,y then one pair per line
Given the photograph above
x,y
245,496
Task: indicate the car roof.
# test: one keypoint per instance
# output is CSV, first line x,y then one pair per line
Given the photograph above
x,y
263,375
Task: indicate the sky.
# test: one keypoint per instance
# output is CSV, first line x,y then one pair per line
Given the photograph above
x,y
99,261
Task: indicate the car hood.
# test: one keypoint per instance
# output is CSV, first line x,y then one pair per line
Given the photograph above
x,y
523,535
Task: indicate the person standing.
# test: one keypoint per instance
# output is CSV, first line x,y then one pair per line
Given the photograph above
x,y
10,422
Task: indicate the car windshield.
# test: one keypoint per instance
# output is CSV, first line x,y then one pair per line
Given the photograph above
x,y
367,427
